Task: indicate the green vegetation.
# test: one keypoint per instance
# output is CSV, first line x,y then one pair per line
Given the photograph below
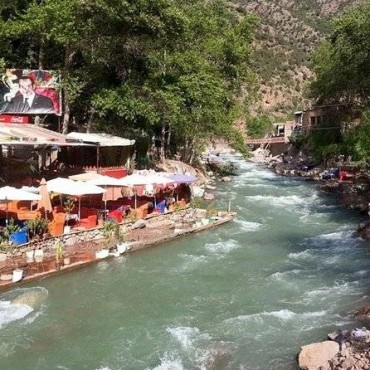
x,y
11,227
36,227
259,126
342,63
286,34
168,69
342,67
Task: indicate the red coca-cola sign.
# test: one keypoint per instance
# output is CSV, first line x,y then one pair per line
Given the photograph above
x,y
9,118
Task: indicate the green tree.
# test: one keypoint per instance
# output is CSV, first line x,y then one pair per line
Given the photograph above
x,y
258,127
362,144
164,68
342,63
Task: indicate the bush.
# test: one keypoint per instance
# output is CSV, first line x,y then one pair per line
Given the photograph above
x,y
37,227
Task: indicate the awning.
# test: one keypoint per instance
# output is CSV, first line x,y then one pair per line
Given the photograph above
x,y
30,134
100,139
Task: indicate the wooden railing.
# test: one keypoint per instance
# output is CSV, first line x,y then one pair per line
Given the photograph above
x,y
268,140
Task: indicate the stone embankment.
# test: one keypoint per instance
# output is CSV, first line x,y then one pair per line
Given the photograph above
x,y
80,247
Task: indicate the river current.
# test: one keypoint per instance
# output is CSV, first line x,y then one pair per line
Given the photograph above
x,y
246,295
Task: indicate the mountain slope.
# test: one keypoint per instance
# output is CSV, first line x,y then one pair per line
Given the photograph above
x,y
288,32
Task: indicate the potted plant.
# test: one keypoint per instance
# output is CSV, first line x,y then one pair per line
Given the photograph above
x,y
37,228
121,244
108,234
68,206
58,253
13,233
4,247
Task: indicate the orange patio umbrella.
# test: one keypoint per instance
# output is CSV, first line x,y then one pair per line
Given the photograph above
x,y
44,203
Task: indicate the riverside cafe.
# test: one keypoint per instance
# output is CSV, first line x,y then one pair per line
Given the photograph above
x,y
29,149
24,146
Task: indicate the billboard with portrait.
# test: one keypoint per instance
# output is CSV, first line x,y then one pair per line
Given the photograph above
x,y
30,91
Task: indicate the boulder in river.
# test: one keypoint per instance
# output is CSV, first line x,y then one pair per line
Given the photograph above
x,y
316,356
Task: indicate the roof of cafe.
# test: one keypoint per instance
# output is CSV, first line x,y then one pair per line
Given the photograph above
x,y
22,134
100,139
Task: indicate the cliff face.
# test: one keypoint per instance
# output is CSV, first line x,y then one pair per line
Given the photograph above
x,y
288,32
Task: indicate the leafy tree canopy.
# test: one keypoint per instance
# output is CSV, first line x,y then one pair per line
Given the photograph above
x,y
178,65
342,63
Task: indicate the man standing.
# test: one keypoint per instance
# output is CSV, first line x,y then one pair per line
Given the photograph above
x,y
27,101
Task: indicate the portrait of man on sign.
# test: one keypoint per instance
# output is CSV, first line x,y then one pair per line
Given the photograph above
x,y
29,92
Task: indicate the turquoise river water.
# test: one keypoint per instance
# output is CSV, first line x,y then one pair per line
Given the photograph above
x,y
246,295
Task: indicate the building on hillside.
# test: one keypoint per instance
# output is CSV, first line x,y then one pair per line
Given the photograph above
x,y
323,117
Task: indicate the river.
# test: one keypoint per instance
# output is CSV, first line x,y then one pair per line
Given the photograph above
x,y
247,295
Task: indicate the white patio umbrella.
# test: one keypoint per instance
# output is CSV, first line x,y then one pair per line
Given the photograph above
x,y
75,188
103,180
9,193
149,179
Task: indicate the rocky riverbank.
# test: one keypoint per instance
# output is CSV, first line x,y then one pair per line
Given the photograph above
x,y
352,192
343,349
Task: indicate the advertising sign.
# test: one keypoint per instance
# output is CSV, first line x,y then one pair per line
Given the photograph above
x,y
8,118
26,91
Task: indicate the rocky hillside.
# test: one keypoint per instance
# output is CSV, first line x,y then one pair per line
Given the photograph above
x,y
288,32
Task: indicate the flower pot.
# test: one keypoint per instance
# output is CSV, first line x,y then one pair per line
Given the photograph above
x,y
39,255
67,229
103,253
29,256
17,275
122,247
205,221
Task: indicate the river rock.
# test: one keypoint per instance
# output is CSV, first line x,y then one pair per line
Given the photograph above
x,y
363,230
198,192
163,224
316,356
208,196
139,224
6,277
363,313
200,213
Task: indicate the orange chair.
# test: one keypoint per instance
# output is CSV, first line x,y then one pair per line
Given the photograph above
x,y
142,211
56,226
89,218
89,222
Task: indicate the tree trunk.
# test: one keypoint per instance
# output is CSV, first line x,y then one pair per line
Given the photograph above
x,y
162,155
90,120
41,53
66,117
168,142
68,58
